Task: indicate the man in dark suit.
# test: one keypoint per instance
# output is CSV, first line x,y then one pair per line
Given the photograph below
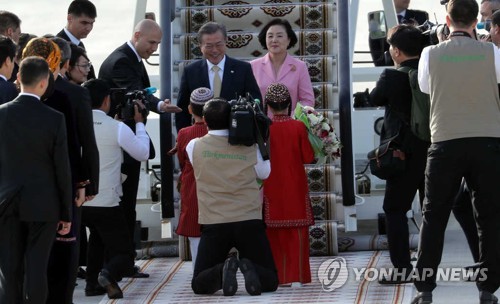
x,y
235,77
80,100
10,26
393,91
379,48
64,256
35,192
124,68
81,18
8,90
409,16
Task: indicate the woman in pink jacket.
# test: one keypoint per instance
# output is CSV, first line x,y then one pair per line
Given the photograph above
x,y
279,66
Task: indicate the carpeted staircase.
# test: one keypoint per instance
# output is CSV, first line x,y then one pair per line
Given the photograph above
x,y
315,25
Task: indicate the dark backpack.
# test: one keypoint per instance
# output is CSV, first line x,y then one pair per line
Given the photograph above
x,y
420,107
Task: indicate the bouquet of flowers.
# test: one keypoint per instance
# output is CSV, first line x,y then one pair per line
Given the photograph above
x,y
325,142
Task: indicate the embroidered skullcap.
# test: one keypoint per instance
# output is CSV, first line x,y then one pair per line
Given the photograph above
x,y
45,48
201,95
277,93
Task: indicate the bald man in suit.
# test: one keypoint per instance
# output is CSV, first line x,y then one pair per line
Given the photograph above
x,y
124,68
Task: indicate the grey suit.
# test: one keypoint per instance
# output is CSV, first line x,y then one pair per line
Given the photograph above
x,y
35,189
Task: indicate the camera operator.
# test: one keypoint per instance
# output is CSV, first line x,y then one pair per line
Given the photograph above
x,y
230,210
465,128
103,215
124,68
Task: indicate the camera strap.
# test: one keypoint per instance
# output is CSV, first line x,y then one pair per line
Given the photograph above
x,y
459,34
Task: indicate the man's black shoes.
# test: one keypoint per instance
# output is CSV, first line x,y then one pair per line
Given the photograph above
x,y
94,289
138,274
252,281
81,274
229,282
107,282
424,297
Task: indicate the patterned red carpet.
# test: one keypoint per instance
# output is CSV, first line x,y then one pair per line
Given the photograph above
x,y
170,282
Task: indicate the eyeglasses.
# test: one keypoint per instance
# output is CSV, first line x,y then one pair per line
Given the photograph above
x,y
86,65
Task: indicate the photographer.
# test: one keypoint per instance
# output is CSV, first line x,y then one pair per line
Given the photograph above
x,y
230,210
393,91
465,128
103,215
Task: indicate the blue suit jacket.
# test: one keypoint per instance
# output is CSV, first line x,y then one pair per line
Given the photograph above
x,y
8,91
238,79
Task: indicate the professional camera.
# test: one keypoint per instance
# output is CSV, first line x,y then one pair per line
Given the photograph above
x,y
362,99
248,124
432,32
123,101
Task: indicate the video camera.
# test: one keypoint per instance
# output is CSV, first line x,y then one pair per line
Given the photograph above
x,y
432,32
248,125
123,101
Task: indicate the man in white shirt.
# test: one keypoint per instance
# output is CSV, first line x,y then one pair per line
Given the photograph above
x,y
103,215
465,136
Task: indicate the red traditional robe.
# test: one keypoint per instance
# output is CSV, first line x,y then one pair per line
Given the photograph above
x,y
287,208
188,219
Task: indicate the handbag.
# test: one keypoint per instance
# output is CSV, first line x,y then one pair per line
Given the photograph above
x,y
387,160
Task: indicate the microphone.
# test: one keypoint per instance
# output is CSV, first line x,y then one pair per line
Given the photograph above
x,y
149,91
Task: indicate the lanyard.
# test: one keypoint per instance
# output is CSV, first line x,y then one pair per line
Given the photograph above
x,y
459,34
